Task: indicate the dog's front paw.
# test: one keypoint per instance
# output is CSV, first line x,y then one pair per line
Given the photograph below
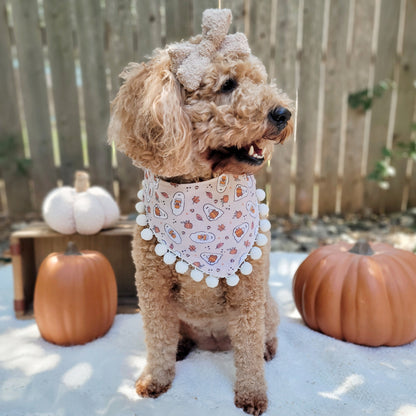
x,y
148,386
251,403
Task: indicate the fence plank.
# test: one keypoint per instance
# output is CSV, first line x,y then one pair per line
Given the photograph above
x,y
149,27
406,100
120,53
358,64
35,99
61,58
260,44
335,80
308,103
179,20
238,7
120,39
384,69
284,73
91,44
11,145
198,7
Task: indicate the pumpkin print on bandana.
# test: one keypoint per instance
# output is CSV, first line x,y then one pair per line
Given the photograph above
x,y
211,225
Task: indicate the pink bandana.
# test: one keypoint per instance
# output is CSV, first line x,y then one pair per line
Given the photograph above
x,y
211,226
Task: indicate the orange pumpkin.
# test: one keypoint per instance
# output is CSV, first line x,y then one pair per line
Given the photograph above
x,y
365,294
75,297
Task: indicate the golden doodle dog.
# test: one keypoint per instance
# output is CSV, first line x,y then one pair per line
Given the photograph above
x,y
200,118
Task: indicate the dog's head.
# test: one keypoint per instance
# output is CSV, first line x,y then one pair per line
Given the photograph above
x,y
200,108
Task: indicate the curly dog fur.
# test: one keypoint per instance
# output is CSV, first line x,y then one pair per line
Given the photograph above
x,y
185,136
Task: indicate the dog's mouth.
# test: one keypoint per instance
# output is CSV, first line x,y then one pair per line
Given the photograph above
x,y
251,154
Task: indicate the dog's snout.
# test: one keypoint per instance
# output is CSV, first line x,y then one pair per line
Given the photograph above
x,y
279,116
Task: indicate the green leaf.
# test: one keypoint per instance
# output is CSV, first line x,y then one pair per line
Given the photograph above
x,y
386,152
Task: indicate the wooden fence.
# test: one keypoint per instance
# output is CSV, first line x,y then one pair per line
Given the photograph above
x,y
59,66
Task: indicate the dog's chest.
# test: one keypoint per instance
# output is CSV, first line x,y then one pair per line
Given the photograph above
x,y
196,299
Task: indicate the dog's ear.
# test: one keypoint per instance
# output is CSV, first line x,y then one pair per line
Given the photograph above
x,y
148,122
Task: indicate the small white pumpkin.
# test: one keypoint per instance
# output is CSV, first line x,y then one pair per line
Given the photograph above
x,y
80,209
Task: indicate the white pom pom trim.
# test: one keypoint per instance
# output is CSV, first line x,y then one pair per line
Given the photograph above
x,y
140,207
197,275
246,268
212,281
181,267
261,240
263,210
141,220
232,280
161,249
169,258
256,253
260,195
146,234
140,194
265,225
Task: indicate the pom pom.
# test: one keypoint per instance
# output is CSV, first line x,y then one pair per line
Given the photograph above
x,y
197,275
232,280
211,281
260,194
140,207
246,268
140,194
141,220
263,210
161,249
265,225
169,258
255,253
261,240
146,234
181,267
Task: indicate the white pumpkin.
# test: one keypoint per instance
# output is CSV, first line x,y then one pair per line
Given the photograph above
x,y
80,209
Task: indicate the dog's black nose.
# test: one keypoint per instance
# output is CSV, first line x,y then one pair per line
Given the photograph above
x,y
279,116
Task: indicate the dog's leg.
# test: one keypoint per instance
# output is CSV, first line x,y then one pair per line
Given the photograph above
x,y
247,333
160,320
271,322
185,346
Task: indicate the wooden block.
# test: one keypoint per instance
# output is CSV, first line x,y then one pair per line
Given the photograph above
x,y
31,245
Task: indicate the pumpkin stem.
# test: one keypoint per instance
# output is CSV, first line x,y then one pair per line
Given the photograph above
x,y
362,247
72,250
82,181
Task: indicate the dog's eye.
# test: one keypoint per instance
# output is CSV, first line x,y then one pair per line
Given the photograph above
x,y
229,85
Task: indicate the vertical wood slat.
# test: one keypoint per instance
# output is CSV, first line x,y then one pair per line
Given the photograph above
x,y
89,19
406,102
149,27
120,39
260,44
308,103
120,53
61,58
285,75
179,20
335,78
384,69
198,6
358,63
35,99
11,145
238,7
